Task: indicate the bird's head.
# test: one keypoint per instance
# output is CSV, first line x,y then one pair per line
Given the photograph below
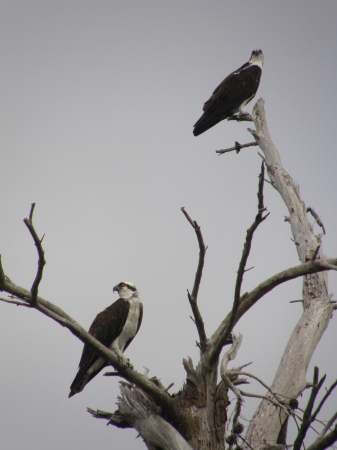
x,y
125,289
257,58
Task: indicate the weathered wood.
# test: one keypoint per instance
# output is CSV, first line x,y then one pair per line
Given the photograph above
x,y
290,378
143,415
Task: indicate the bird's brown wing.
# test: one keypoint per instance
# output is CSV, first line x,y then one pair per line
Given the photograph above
x,y
228,96
106,327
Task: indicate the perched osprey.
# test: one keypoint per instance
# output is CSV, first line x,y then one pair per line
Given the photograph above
x,y
115,327
232,94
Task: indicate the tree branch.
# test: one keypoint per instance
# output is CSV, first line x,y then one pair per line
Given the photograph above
x,y
327,441
307,418
245,253
237,147
14,302
315,253
289,274
328,425
266,398
113,418
247,374
143,415
316,217
229,356
249,299
57,314
194,296
327,394
40,251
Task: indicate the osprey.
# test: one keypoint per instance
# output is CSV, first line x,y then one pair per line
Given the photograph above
x,y
115,327
232,94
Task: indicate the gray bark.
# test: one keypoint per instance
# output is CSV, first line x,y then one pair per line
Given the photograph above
x,y
143,415
290,378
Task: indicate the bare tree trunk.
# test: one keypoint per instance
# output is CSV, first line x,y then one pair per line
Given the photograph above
x,y
290,378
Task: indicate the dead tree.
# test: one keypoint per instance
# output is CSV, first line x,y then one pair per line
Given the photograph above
x,y
196,416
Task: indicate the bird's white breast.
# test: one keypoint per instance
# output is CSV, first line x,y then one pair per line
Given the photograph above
x,y
131,324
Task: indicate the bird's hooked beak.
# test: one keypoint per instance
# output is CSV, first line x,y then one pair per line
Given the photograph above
x,y
116,289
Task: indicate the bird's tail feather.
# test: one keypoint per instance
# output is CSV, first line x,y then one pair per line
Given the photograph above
x,y
82,378
206,122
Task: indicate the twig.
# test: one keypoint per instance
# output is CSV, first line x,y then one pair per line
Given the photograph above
x,y
264,159
245,253
237,147
2,274
328,425
194,296
307,417
328,393
99,414
42,261
298,427
243,440
113,418
169,387
316,420
236,391
15,302
268,399
327,441
316,253
237,369
296,243
296,301
247,374
316,217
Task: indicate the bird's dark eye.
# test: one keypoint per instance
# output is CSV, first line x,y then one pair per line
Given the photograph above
x,y
122,284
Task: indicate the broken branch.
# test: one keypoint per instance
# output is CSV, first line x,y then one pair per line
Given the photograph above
x,y
237,147
194,296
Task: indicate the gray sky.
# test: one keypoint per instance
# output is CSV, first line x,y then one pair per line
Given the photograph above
x,y
98,103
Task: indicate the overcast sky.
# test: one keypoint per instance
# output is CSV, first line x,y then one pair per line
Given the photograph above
x,y
98,103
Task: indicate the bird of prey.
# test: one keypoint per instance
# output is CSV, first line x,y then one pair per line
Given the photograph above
x,y
115,327
232,94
